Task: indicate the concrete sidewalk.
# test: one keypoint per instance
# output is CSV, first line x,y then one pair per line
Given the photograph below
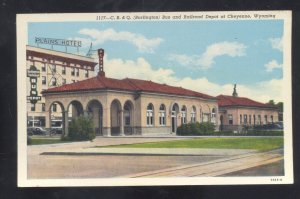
x,y
149,151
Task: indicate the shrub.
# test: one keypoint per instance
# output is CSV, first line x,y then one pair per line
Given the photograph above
x,y
197,128
80,129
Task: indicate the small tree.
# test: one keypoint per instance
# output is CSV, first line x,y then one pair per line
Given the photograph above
x,y
81,128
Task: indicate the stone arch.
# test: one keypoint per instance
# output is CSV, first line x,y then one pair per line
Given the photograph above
x,y
128,111
57,118
76,109
174,114
115,117
94,110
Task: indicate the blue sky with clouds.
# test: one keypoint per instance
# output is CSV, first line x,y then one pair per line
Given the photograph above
x,y
214,54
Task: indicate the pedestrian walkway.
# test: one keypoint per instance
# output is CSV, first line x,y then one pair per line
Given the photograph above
x,y
216,167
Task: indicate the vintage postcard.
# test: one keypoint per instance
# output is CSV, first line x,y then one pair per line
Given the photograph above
x,y
147,99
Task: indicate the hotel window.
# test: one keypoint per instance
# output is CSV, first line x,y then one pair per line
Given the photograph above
x,y
54,107
183,115
213,115
149,115
32,108
162,115
272,119
43,107
53,81
86,73
245,119
73,72
53,68
44,67
193,115
44,81
230,119
64,81
63,71
77,72
241,119
259,119
266,119
250,119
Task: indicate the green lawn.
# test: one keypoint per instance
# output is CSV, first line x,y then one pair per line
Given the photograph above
x,y
261,144
39,141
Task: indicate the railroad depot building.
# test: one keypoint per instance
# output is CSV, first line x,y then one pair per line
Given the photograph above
x,y
130,106
235,112
55,68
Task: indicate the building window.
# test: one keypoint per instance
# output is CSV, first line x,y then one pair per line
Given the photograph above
x,y
245,119
250,119
32,108
193,114
73,72
127,114
254,120
230,119
200,115
272,119
266,119
53,81
43,107
162,115
54,107
86,73
213,115
44,67
63,71
77,72
53,68
64,81
259,119
44,81
150,115
183,115
241,119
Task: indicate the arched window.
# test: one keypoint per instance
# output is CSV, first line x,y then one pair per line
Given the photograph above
x,y
162,115
183,115
259,119
213,115
193,115
149,115
241,119
272,119
254,120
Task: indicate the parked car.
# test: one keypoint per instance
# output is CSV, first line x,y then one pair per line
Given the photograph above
x,y
36,131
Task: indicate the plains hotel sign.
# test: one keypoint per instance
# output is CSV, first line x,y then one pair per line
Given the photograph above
x,y
33,74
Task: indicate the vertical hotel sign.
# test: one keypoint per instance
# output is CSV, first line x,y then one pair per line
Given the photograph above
x,y
33,74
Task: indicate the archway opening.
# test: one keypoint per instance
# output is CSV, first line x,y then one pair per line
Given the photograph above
x,y
174,113
115,117
75,110
95,111
57,121
128,118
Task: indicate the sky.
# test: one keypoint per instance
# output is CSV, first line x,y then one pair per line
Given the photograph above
x,y
205,56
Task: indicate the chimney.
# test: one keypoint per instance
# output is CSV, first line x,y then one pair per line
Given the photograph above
x,y
101,72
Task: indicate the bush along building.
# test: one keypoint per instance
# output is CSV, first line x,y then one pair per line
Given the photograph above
x,y
129,106
237,113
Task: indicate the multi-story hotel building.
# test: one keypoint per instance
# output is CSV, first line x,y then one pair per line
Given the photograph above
x,y
56,69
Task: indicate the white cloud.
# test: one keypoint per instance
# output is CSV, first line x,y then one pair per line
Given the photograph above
x,y
206,60
276,43
142,69
272,65
143,44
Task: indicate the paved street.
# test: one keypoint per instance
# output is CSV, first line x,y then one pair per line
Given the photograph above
x,y
79,160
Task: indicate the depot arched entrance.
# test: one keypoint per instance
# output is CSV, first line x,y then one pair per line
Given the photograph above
x,y
57,118
116,117
95,111
128,118
174,114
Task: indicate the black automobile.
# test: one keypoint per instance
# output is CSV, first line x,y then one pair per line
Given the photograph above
x,y
36,131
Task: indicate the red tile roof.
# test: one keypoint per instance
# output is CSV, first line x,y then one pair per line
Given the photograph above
x,y
226,100
104,83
